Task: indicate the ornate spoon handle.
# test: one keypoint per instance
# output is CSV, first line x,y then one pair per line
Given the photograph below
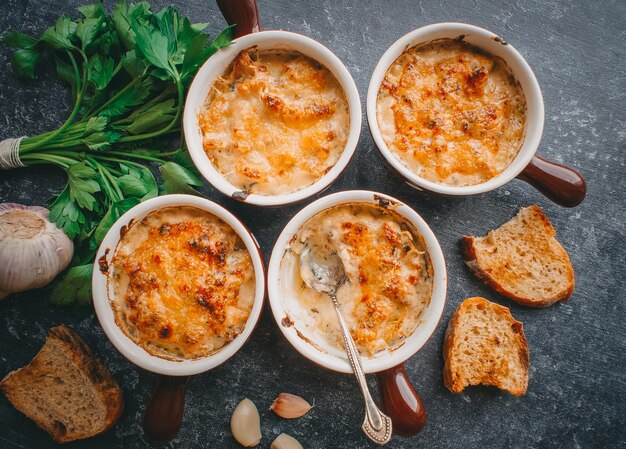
x,y
377,425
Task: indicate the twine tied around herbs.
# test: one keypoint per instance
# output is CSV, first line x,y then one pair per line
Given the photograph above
x,y
10,153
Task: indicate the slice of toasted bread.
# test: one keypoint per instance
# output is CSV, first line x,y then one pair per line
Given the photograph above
x,y
522,260
484,345
65,389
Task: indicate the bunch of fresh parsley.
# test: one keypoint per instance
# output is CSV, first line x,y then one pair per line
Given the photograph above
x,y
128,72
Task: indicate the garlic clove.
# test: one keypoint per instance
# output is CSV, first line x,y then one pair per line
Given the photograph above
x,y
245,424
290,406
284,441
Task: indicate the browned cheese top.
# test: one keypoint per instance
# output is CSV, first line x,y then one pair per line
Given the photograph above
x,y
275,122
451,113
183,283
389,276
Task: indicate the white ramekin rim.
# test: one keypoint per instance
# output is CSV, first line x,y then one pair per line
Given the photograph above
x,y
479,37
102,301
434,310
217,64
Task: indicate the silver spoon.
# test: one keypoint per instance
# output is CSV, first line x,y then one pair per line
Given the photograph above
x,y
322,270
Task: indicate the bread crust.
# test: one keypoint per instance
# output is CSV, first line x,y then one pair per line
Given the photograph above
x,y
473,262
451,378
85,360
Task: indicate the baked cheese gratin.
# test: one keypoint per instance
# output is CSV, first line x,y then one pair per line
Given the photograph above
x,y
451,113
275,122
183,283
389,276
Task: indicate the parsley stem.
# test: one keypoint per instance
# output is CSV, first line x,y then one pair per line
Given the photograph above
x,y
106,183
111,100
74,155
181,99
70,119
116,187
63,161
136,156
121,161
170,153
77,129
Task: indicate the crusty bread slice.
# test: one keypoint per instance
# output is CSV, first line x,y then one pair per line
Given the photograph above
x,y
65,389
484,345
522,260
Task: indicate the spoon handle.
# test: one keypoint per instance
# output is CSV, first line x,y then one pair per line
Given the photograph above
x,y
377,425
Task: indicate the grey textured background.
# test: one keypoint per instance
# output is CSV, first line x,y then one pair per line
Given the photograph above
x,y
577,392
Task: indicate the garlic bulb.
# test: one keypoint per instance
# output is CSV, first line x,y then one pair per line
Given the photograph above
x,y
32,249
284,441
245,424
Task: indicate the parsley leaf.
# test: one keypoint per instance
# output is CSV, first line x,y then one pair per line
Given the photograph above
x,y
59,36
177,179
75,285
178,32
82,185
132,97
19,40
66,214
95,124
92,11
65,73
198,51
138,183
87,29
133,65
27,56
100,70
148,118
116,210
152,44
101,140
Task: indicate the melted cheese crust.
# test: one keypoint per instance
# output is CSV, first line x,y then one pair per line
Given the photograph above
x,y
275,122
451,113
389,275
183,283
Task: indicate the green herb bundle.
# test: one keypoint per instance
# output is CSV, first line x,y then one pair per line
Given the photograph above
x,y
128,72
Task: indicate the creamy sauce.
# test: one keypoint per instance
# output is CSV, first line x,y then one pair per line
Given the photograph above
x,y
275,122
451,113
183,283
389,277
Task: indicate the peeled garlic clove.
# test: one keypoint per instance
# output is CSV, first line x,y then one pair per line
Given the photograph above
x,y
245,424
290,406
284,441
32,249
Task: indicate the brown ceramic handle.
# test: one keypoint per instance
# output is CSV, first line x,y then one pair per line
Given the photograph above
x,y
400,401
244,14
164,413
563,185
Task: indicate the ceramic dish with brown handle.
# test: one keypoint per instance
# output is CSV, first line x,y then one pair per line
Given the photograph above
x,y
309,327
178,289
273,118
560,184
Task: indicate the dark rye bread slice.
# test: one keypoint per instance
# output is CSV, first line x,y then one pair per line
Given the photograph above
x,y
522,260
66,389
485,345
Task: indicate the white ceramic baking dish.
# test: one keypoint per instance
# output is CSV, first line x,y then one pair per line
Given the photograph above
x,y
399,399
561,184
244,14
164,413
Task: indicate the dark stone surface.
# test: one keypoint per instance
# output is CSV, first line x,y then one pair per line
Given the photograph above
x,y
577,392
